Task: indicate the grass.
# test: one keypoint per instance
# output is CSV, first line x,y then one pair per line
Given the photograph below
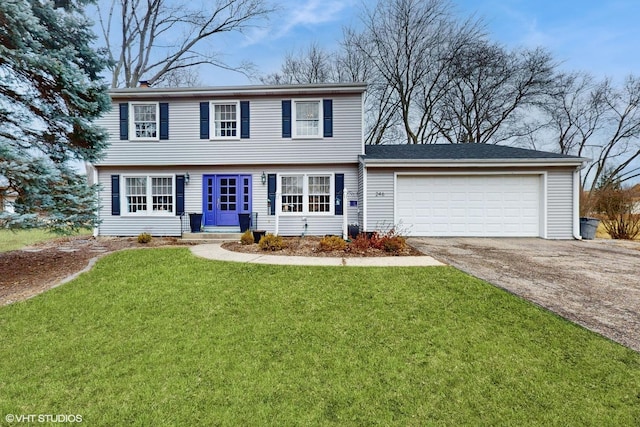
x,y
159,337
12,240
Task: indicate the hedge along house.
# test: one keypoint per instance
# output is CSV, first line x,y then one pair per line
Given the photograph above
x,y
294,157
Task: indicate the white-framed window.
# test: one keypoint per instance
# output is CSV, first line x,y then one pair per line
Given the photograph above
x,y
307,193
292,193
319,193
307,118
148,195
145,120
226,120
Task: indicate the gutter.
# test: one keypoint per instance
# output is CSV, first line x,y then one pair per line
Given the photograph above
x,y
239,91
464,163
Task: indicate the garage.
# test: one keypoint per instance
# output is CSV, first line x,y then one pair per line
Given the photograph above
x,y
470,190
493,205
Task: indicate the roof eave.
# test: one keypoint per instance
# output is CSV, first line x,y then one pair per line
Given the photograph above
x,y
453,163
229,91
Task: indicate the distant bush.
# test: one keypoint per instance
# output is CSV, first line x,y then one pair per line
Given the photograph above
x,y
271,242
332,243
247,238
144,238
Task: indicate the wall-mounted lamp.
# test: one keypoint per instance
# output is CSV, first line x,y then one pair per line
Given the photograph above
x,y
186,178
263,178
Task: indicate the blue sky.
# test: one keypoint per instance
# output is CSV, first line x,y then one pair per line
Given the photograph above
x,y
602,37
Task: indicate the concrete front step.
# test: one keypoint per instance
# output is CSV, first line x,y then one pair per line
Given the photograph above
x,y
212,237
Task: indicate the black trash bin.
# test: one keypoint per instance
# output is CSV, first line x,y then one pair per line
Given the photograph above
x,y
195,222
245,221
353,230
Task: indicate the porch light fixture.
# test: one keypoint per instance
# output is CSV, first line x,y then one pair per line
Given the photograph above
x,y
186,178
263,178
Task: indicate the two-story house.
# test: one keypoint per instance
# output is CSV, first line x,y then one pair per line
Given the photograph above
x,y
294,157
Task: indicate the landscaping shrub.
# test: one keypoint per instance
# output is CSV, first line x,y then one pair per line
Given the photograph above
x,y
144,238
360,243
271,242
332,243
394,244
247,238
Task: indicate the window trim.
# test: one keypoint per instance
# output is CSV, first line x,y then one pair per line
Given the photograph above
x,y
305,193
212,121
124,208
132,121
294,124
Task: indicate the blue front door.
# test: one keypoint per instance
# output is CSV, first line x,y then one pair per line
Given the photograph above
x,y
224,197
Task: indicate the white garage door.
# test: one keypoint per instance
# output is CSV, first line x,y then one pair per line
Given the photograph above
x,y
481,205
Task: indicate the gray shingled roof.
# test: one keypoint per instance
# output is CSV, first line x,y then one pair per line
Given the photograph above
x,y
457,152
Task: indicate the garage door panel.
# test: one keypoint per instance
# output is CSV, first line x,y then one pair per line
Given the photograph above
x,y
474,205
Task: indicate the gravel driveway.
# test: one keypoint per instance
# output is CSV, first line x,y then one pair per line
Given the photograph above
x,y
593,283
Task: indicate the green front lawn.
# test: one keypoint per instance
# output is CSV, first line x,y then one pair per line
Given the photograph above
x,y
159,337
12,240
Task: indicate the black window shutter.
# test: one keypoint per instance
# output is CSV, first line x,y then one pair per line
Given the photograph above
x,y
244,119
115,194
179,194
327,114
339,193
204,120
271,192
286,118
124,121
164,120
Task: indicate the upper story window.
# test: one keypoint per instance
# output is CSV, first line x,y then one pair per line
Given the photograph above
x,y
307,118
145,121
226,120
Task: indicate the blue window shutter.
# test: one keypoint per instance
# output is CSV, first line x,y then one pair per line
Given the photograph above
x,y
339,193
115,194
271,191
179,194
244,119
286,119
164,120
204,120
327,114
124,121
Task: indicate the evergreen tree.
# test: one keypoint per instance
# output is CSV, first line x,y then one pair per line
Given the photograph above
x,y
50,93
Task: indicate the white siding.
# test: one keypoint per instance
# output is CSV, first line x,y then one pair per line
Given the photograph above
x,y
170,226
265,145
560,204
380,186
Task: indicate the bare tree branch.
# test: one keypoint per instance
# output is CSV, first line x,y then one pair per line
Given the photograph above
x,y
161,36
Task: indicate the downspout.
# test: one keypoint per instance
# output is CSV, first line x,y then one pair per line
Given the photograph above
x,y
576,204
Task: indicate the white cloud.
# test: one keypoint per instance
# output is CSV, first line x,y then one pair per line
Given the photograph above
x,y
295,14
